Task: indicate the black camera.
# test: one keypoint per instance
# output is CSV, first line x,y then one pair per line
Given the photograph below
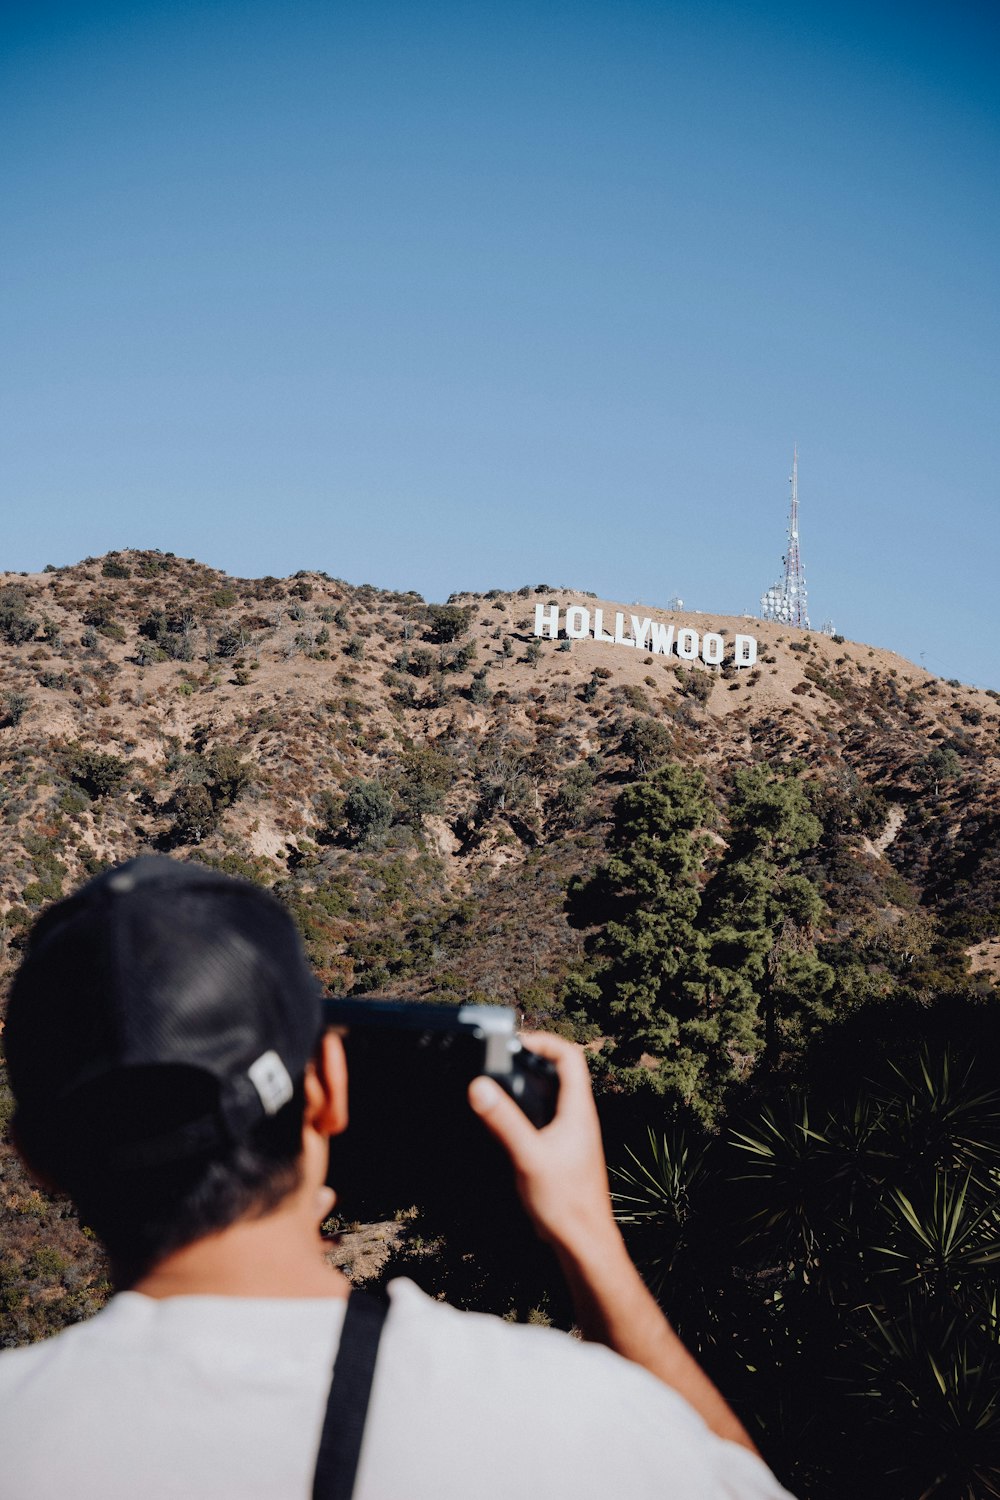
x,y
471,1039
412,1137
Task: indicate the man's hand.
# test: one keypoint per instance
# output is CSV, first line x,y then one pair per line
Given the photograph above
x,y
563,1183
560,1172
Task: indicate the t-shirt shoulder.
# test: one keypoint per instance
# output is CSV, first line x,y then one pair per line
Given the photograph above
x,y
547,1392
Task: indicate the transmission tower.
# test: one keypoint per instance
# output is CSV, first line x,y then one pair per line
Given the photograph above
x,y
786,600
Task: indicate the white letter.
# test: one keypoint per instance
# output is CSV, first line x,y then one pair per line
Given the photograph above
x,y
687,643
600,634
621,639
640,630
547,620
744,650
661,638
577,622
712,647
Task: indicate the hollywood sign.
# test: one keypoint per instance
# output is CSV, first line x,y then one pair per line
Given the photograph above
x,y
643,634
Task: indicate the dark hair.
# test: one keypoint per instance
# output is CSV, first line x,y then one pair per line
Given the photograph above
x,y
144,1213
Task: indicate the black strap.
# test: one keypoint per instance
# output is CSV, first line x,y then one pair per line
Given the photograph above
x,y
347,1406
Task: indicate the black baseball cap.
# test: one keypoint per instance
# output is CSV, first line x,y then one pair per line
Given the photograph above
x,y
159,1014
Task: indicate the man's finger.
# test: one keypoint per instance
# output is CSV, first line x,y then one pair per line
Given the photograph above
x,y
503,1118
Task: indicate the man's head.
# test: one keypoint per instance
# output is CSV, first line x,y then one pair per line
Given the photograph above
x,y
157,1040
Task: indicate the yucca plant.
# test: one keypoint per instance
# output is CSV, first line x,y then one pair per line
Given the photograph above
x,y
849,1298
664,1201
661,1187
942,1119
935,1393
949,1236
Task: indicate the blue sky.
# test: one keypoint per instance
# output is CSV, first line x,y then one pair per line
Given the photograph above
x,y
446,296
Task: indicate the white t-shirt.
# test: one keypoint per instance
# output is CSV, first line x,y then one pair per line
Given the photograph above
x,y
224,1397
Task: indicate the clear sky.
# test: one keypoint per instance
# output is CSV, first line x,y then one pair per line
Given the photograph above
x,y
465,295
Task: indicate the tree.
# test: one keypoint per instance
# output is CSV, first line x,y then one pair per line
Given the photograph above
x,y
650,947
423,781
501,778
760,917
447,622
573,796
942,764
195,814
16,705
232,641
99,774
419,663
16,626
368,809
230,776
647,743
696,977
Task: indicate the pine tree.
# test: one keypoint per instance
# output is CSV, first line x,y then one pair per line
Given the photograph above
x,y
759,918
650,948
696,979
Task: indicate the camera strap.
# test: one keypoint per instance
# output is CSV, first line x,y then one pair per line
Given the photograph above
x,y
347,1404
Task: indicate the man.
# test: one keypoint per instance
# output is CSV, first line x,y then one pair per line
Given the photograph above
x,y
171,1074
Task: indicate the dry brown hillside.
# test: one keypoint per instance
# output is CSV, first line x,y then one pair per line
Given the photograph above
x,y
157,662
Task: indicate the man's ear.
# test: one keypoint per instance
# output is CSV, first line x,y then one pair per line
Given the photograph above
x,y
326,1087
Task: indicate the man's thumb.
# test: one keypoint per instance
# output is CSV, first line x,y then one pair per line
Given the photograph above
x,y
501,1116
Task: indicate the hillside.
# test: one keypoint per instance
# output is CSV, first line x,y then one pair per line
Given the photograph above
x,y
421,784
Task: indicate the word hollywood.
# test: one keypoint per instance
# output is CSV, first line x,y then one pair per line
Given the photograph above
x,y
646,635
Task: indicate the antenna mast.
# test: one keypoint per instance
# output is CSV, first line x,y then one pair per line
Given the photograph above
x,y
787,600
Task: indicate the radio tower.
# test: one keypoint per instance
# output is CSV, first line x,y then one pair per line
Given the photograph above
x,y
786,600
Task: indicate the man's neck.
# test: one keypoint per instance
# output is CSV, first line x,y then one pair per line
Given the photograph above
x,y
279,1255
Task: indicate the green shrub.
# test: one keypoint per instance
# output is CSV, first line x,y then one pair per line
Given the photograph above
x,y
99,613
695,684
368,809
575,793
15,705
16,626
72,801
424,778
447,622
99,774
230,775
635,697
647,743
195,814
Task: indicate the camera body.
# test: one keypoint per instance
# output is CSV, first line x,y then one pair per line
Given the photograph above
x,y
411,1137
481,1038
413,1142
